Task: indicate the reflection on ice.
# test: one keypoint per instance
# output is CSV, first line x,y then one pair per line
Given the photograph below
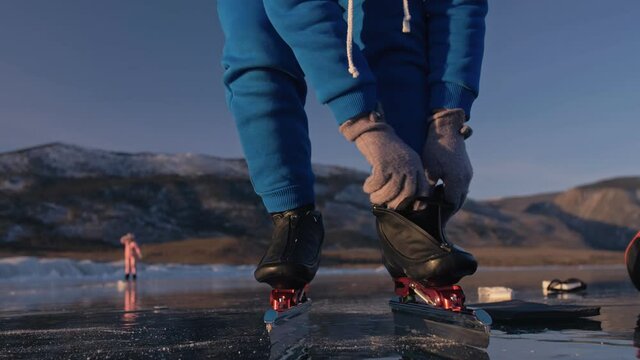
x,y
431,347
130,304
636,338
288,331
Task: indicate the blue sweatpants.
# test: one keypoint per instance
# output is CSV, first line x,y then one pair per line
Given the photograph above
x,y
273,47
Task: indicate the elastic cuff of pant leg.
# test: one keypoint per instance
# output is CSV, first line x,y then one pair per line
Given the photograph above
x,y
448,95
288,198
348,106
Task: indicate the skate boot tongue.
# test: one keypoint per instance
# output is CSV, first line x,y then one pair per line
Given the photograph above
x,y
430,218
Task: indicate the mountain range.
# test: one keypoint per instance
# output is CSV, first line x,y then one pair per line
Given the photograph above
x,y
61,197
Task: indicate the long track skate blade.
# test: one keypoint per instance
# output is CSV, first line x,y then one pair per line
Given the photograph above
x,y
274,318
288,330
471,327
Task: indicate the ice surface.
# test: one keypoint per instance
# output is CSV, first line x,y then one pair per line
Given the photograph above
x,y
221,317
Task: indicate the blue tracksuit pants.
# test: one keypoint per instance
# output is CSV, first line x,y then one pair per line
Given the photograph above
x,y
273,47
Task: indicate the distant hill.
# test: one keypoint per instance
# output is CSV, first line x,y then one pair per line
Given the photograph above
x,y
60,196
602,215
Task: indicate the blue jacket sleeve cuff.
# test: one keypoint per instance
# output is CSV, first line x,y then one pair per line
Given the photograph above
x,y
448,95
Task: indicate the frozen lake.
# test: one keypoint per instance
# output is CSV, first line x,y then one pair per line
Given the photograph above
x,y
72,310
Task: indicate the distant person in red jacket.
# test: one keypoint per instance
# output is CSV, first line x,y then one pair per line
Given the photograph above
x,y
131,252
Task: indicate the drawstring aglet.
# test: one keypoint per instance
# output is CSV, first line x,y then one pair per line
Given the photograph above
x,y
354,71
406,24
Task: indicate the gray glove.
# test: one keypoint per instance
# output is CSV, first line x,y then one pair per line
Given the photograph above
x,y
396,169
445,156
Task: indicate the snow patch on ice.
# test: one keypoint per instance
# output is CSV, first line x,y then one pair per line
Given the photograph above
x,y
26,268
23,268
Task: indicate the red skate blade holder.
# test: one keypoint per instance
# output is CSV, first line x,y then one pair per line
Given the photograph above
x,y
285,306
444,297
284,299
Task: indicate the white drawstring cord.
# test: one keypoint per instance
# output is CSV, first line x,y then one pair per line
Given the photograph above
x,y
406,25
352,68
406,28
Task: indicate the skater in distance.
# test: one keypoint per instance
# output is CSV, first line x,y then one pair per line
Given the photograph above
x,y
131,253
400,77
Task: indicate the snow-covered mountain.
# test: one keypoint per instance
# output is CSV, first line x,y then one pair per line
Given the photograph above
x,y
60,196
71,161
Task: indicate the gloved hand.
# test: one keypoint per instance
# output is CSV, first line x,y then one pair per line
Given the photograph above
x,y
396,169
445,156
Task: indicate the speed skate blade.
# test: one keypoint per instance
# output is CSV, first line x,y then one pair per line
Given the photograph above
x,y
288,330
472,327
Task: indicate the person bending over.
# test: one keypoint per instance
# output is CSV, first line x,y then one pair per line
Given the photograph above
x,y
400,77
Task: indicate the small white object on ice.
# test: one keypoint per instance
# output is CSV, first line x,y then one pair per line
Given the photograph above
x,y
494,294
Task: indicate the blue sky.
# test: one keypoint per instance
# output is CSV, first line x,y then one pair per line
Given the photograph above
x,y
559,102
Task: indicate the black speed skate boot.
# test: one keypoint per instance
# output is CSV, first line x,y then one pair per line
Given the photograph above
x,y
414,243
293,257
425,266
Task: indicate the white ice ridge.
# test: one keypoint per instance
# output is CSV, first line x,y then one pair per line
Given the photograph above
x,y
25,268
